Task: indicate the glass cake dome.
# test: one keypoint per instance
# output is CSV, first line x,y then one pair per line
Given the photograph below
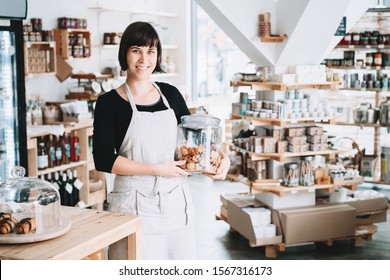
x,y
28,206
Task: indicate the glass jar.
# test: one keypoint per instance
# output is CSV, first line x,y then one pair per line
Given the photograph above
x,y
198,143
263,74
306,175
28,199
291,174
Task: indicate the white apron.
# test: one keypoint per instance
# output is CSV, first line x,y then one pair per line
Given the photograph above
x,y
164,203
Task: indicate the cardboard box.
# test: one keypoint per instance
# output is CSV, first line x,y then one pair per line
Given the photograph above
x,y
241,222
371,218
317,223
286,78
299,69
288,200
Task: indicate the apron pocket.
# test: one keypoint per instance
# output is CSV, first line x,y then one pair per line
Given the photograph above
x,y
175,209
148,205
123,202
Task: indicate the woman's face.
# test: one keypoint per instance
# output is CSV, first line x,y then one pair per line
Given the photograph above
x,y
141,61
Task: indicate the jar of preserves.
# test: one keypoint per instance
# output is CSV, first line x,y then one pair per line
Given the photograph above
x,y
378,59
198,143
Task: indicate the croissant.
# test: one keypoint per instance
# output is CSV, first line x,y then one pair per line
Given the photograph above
x,y
26,225
4,216
7,225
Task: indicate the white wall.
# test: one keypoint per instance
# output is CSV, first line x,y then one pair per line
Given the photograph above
x,y
50,89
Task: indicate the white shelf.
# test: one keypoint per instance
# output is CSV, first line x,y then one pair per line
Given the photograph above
x,y
134,12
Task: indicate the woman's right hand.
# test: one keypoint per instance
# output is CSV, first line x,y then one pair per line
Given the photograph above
x,y
171,169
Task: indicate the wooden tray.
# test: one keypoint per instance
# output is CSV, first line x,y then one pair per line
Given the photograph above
x,y
14,238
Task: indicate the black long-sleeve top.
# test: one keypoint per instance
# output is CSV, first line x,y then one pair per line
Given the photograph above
x,y
112,118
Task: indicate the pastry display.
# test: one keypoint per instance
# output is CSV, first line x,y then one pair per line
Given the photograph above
x,y
7,223
197,160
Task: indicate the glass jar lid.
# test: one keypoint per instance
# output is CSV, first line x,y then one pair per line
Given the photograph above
x,y
199,121
291,165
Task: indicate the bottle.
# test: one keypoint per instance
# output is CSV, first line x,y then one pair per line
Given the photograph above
x,y
51,150
56,180
75,147
62,184
58,152
69,188
77,185
66,153
43,157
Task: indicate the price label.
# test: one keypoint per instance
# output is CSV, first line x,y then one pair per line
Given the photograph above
x,y
78,184
368,46
381,46
351,46
68,188
311,190
294,191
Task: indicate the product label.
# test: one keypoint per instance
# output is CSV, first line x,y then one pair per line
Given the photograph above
x,y
67,150
59,153
77,148
43,161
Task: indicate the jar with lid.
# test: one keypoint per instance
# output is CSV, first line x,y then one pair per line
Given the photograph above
x,y
198,143
306,175
291,174
378,59
263,74
32,200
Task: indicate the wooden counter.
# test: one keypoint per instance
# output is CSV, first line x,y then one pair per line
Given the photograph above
x,y
91,231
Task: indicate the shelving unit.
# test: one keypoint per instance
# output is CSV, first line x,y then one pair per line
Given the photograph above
x,y
284,87
85,167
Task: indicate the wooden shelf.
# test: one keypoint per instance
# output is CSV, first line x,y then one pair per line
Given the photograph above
x,y
91,76
362,124
283,156
234,178
273,38
40,58
366,89
61,167
285,122
81,96
377,182
284,87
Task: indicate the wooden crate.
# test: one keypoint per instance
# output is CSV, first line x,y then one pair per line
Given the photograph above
x,y
61,36
40,58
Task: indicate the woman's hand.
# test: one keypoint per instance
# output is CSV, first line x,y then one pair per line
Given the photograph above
x,y
171,169
223,168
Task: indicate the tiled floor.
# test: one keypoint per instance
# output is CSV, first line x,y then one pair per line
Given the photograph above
x,y
216,242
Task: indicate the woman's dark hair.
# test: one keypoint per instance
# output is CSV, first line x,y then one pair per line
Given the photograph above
x,y
140,34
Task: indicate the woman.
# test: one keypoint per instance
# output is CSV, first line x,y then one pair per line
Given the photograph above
x,y
135,130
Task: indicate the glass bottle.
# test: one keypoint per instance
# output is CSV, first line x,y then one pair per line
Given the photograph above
x,y
58,151
43,157
51,149
66,153
75,147
306,175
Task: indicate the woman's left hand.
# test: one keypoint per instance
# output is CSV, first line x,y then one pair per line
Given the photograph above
x,y
222,169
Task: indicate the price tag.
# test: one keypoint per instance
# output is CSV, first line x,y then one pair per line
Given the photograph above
x,y
351,46
81,204
68,188
293,120
51,44
294,191
78,184
381,46
387,67
368,46
311,190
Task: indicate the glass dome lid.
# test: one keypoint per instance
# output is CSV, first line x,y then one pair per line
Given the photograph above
x,y
20,189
